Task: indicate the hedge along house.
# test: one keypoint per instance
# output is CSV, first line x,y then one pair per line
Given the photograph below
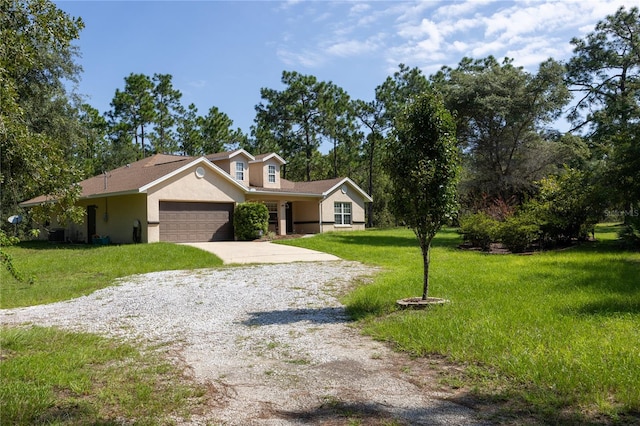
x,y
192,199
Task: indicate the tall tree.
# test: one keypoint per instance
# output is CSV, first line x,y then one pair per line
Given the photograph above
x,y
376,119
133,109
38,123
298,119
371,116
402,88
217,131
94,149
189,133
167,110
422,161
501,112
605,74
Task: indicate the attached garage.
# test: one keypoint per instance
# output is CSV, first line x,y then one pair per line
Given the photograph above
x,y
190,222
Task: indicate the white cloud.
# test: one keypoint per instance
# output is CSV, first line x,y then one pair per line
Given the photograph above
x,y
352,48
359,8
305,58
454,10
426,27
198,84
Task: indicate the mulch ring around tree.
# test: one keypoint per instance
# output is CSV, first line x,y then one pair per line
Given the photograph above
x,y
420,303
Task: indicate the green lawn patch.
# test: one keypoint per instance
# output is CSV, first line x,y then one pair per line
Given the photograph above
x,y
65,271
560,328
49,376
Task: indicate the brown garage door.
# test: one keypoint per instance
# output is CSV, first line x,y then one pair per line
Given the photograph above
x,y
183,222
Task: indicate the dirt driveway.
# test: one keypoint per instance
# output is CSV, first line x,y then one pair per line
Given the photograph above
x,y
272,343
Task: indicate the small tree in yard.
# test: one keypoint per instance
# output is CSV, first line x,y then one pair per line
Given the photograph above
x,y
423,163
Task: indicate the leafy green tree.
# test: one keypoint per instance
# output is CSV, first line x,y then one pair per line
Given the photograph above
x,y
298,119
95,147
501,113
605,74
217,132
189,133
376,118
402,88
423,164
38,122
133,110
371,116
167,110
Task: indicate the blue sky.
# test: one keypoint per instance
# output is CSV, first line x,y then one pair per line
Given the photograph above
x,y
220,53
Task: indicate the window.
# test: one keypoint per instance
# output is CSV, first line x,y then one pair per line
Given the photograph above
x,y
272,174
273,211
239,170
342,212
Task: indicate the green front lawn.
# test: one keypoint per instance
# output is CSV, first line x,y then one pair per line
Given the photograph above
x,y
557,331
50,376
65,271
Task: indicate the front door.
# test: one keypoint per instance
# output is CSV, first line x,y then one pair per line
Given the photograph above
x,y
91,223
289,215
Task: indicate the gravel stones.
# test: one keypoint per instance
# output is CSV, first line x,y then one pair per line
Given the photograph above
x,y
272,340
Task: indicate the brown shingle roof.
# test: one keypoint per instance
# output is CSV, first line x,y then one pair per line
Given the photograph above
x,y
132,177
318,187
127,178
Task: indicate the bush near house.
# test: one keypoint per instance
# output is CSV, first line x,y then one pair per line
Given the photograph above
x,y
250,221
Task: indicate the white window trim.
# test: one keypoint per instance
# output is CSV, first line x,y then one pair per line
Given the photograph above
x,y
271,175
342,214
240,168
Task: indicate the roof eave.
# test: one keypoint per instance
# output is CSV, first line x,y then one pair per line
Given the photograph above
x,y
295,194
364,195
195,162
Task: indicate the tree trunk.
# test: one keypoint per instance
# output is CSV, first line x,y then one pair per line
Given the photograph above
x,y
426,248
370,206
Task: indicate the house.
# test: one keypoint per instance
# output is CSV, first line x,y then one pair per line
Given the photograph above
x,y
192,199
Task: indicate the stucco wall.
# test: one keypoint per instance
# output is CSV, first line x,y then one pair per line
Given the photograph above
x,y
256,175
186,186
306,215
357,210
114,218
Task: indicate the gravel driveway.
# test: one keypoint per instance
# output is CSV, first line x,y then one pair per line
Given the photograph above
x,y
272,341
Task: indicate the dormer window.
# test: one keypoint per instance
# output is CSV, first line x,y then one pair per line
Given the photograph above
x,y
239,170
272,174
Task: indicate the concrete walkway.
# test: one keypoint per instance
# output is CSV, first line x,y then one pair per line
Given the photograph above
x,y
261,252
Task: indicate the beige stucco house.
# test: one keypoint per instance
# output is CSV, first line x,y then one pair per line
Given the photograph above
x,y
192,199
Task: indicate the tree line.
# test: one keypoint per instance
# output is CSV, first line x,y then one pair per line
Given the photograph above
x,y
504,118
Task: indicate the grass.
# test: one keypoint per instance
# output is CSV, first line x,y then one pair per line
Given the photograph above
x,y
62,272
54,377
557,331
49,376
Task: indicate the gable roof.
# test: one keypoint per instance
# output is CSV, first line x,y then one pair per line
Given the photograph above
x,y
229,155
318,188
261,158
138,177
144,174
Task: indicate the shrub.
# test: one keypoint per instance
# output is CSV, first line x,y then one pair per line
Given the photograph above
x,y
518,232
250,221
570,205
630,232
479,229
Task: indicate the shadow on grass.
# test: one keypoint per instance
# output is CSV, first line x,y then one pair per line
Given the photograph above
x,y
290,316
520,406
610,307
445,238
45,245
